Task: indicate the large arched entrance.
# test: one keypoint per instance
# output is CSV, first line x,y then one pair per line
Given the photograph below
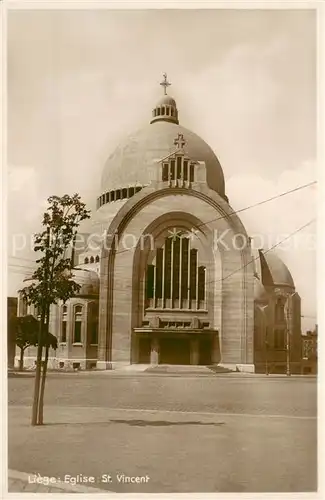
x,y
173,267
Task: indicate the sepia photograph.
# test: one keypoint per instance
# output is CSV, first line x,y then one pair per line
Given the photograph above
x,y
162,207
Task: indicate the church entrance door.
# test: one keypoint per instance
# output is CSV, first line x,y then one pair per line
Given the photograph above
x,y
174,351
205,351
144,350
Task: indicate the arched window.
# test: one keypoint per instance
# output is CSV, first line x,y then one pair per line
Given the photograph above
x,y
174,277
64,318
279,310
97,258
279,339
77,324
86,261
92,260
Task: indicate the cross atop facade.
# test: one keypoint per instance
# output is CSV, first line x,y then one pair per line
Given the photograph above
x,y
180,141
165,83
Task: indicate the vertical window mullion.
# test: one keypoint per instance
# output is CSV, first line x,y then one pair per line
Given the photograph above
x,y
189,274
163,277
172,273
180,272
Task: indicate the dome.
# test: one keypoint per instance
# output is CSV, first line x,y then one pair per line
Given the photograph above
x,y
166,100
128,164
274,270
88,280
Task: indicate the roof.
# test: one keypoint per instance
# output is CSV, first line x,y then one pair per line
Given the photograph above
x,y
128,164
274,270
88,280
167,100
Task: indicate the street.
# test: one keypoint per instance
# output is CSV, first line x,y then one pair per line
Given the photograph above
x,y
185,434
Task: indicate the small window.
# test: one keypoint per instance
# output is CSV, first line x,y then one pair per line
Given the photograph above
x,y
165,172
61,364
118,194
172,170
279,339
106,197
138,188
77,324
86,261
24,307
97,258
192,173
163,112
279,311
131,191
92,260
167,110
185,170
64,324
179,167
158,111
76,366
64,332
112,196
150,281
124,193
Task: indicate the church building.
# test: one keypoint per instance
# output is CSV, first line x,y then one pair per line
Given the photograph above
x,y
174,279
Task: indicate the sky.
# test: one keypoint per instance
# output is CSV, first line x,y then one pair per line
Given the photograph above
x,y
244,80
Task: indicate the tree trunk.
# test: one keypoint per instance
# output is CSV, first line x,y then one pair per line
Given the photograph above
x,y
38,370
44,371
41,397
21,360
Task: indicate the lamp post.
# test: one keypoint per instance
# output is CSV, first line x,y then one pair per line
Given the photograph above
x,y
266,356
288,370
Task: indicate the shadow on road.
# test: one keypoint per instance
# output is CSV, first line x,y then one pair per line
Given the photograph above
x,y
161,423
134,423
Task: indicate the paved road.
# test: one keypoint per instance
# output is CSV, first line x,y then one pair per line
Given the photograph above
x,y
285,396
187,434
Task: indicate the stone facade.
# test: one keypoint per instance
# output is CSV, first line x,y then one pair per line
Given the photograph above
x,y
173,279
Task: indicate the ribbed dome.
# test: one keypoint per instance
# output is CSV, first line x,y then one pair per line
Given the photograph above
x,y
274,270
88,280
128,164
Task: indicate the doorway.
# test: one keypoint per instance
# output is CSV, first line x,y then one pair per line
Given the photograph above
x,y
175,351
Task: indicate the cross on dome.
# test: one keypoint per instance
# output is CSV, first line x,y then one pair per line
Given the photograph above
x,y
165,83
180,141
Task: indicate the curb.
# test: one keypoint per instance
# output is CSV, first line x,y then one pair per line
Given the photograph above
x,y
60,486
